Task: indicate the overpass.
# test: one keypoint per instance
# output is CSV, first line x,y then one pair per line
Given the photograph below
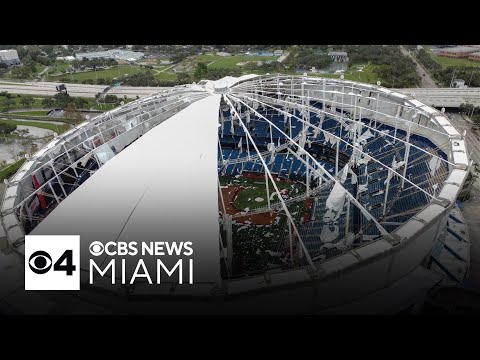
x,y
82,90
444,97
437,97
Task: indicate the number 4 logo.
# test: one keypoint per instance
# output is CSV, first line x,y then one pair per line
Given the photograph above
x,y
42,253
66,257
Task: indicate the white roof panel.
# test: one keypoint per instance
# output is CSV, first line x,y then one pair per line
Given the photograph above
x,y
161,188
457,176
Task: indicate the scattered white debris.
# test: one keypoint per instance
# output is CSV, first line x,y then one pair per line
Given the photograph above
x,y
362,187
433,164
327,235
336,198
273,253
365,136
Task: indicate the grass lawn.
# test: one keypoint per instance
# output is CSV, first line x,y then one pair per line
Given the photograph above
x,y
38,102
230,62
103,107
109,74
165,76
11,169
10,83
18,105
42,125
445,62
116,72
366,76
8,74
31,113
58,67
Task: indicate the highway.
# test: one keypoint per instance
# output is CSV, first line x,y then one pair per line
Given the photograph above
x,y
439,97
444,97
82,90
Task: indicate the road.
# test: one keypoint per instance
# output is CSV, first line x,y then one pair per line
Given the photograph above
x,y
82,90
444,97
438,97
427,81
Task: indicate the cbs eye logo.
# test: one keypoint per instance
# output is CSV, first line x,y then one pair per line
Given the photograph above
x,y
40,262
96,248
52,262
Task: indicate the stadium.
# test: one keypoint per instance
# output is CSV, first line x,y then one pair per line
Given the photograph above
x,y
336,195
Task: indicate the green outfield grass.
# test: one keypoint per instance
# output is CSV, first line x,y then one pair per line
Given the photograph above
x,y
258,248
257,188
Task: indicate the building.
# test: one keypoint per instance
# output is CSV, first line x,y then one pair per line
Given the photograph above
x,y
338,56
457,51
65,58
112,54
9,57
369,229
474,56
278,53
259,53
458,83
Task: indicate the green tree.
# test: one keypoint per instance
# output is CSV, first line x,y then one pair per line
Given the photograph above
x,y
183,78
201,71
6,128
72,113
79,102
47,102
62,100
27,101
5,104
3,67
21,72
111,99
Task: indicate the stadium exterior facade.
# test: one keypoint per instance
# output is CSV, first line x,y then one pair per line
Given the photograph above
x,y
383,264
